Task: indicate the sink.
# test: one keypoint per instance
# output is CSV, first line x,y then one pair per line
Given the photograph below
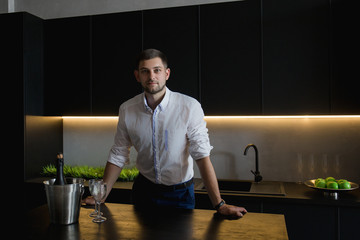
x,y
247,187
228,185
268,188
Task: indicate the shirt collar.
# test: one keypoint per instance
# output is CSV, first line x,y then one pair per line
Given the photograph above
x,y
162,105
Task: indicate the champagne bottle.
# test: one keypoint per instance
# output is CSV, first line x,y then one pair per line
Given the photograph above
x,y
60,179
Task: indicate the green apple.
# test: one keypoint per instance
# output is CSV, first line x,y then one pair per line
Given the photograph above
x,y
344,185
330,179
320,184
319,179
341,180
332,185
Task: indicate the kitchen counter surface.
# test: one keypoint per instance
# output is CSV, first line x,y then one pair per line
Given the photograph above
x,y
300,206
296,193
300,192
124,222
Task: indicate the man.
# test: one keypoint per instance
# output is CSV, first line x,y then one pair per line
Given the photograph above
x,y
169,133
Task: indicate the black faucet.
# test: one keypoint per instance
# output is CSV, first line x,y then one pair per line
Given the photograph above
x,y
257,175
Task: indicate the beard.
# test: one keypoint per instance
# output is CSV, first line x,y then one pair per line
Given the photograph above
x,y
155,90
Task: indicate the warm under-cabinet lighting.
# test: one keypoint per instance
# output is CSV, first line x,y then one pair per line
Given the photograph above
x,y
290,116
230,117
90,117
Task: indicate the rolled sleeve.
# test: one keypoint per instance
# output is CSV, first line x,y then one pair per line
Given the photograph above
x,y
120,151
197,133
119,156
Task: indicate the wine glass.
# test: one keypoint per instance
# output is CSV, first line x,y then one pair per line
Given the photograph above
x,y
98,191
95,212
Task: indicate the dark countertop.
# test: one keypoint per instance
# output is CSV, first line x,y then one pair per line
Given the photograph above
x,y
300,206
300,192
124,222
296,193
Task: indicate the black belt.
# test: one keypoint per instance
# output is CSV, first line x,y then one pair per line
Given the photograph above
x,y
163,187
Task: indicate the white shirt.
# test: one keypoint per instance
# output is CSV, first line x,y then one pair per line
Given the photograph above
x,y
166,139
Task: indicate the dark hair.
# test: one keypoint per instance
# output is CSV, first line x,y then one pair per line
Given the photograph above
x,y
150,54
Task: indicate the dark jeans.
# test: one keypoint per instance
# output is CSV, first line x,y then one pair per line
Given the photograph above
x,y
146,194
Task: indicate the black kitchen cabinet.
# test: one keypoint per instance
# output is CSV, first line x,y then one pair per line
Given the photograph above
x,y
345,97
349,220
21,74
174,31
21,46
67,62
307,221
230,58
238,58
296,59
116,40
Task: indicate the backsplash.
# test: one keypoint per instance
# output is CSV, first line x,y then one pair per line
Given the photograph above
x,y
292,149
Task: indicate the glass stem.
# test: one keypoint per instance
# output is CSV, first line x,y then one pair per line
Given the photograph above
x,y
96,207
98,210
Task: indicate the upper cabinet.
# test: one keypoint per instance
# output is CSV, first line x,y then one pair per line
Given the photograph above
x,y
21,60
89,63
116,39
67,64
296,44
251,57
230,58
345,97
174,31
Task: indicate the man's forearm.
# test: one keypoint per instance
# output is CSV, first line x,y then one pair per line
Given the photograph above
x,y
209,177
111,174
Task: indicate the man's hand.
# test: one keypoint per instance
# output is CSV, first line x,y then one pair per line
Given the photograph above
x,y
110,176
209,178
232,211
89,200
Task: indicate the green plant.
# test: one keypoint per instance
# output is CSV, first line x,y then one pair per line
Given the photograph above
x,y
127,174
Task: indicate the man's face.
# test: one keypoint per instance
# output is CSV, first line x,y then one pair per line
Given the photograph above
x,y
152,75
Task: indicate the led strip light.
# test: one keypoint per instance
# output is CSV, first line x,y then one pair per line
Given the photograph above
x,y
231,117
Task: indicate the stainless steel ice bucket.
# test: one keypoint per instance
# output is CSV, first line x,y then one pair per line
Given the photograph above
x,y
64,201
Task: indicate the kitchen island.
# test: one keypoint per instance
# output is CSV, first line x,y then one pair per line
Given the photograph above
x,y
125,222
301,206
